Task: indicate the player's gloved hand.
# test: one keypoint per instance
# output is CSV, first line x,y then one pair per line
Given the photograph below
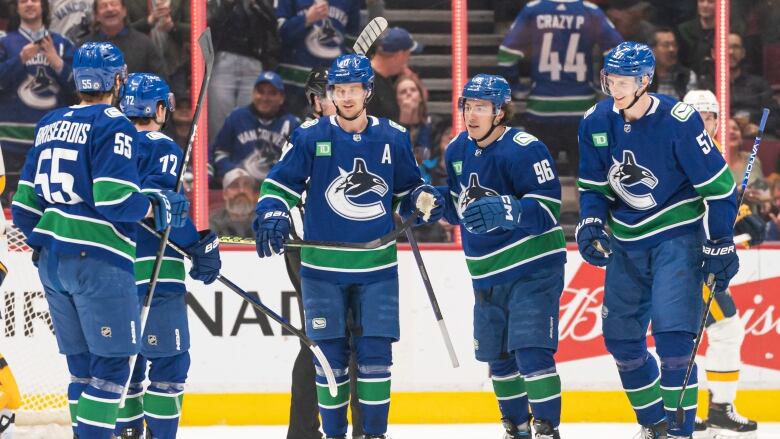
x,y
429,201
589,232
487,213
169,209
271,228
205,257
720,259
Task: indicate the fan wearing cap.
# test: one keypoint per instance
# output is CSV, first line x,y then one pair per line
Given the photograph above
x,y
148,102
390,61
503,191
77,203
239,192
356,170
649,169
253,136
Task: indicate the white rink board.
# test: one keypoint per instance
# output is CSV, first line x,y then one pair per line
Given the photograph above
x,y
233,354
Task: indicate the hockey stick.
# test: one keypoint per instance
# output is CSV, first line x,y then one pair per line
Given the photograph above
x,y
432,297
369,35
369,245
207,50
257,304
680,413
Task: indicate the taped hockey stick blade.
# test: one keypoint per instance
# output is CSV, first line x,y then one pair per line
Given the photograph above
x,y
207,48
329,376
370,34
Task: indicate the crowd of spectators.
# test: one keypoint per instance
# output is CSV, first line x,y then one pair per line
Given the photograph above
x,y
265,49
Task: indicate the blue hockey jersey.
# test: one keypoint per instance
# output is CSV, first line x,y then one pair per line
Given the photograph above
x,y
159,159
78,192
28,91
652,177
317,45
558,36
352,182
250,142
517,164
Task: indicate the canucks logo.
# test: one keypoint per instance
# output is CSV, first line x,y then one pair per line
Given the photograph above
x,y
359,183
627,174
472,192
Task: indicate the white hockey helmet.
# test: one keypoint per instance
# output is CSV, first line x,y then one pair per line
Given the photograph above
x,y
703,101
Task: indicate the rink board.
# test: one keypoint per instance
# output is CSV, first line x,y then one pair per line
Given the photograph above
x,y
241,361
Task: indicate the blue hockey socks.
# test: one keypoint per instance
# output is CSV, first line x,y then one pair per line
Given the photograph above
x,y
675,349
541,382
509,386
99,402
78,366
374,358
639,374
333,410
164,397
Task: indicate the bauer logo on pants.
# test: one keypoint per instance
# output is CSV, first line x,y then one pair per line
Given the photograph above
x,y
319,323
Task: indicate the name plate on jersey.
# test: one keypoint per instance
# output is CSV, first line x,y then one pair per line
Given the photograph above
x,y
599,139
323,149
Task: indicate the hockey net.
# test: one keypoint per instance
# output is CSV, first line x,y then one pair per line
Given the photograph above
x,y
29,346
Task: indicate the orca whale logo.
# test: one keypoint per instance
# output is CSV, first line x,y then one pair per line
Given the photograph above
x,y
472,192
353,184
628,173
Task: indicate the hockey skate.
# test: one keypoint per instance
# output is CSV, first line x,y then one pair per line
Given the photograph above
x,y
724,422
514,431
700,429
657,431
544,430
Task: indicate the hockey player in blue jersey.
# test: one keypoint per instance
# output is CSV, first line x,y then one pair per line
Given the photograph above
x,y
356,170
650,171
505,194
148,102
253,136
77,203
558,37
35,78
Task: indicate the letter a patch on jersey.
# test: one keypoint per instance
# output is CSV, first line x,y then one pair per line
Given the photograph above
x,y
386,155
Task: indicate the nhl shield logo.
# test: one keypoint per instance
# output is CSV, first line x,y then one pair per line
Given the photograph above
x,y
361,184
105,331
627,174
152,340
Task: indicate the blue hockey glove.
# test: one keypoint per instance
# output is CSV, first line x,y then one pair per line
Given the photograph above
x,y
205,257
720,259
487,213
169,209
272,228
423,203
589,232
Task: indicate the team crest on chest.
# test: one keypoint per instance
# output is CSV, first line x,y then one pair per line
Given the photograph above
x,y
627,174
345,189
472,192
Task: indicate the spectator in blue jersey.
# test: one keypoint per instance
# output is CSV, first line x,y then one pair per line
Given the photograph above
x,y
111,24
390,61
35,77
558,38
671,77
253,136
246,43
240,192
313,33
72,19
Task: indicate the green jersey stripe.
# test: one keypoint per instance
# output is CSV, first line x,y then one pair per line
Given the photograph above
x,y
292,74
671,395
520,252
111,191
574,106
509,389
644,396
720,185
97,411
507,56
26,198
162,406
543,388
349,260
373,391
84,230
171,270
326,400
272,189
676,215
17,132
600,187
552,205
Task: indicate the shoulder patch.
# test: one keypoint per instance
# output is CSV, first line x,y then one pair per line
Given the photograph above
x,y
156,135
309,123
396,126
524,139
682,111
113,112
589,112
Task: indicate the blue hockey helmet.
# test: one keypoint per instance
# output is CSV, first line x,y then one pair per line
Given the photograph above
x,y
95,66
349,69
628,59
492,88
142,92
